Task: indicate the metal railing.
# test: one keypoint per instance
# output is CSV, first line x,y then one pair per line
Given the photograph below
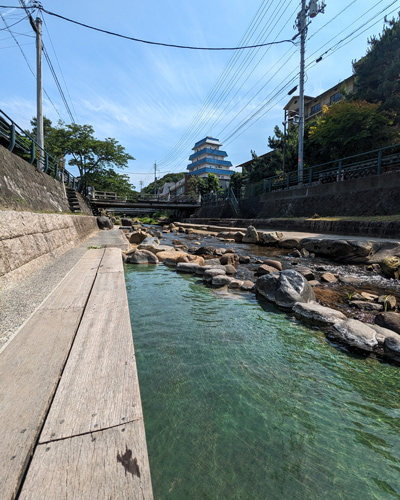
x,y
223,195
374,162
110,196
21,143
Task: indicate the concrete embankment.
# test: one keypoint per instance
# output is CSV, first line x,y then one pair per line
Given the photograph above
x,y
29,240
372,229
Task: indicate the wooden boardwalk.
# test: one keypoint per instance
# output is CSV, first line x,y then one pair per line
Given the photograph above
x,y
71,423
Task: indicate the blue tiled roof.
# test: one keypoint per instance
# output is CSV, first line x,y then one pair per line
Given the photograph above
x,y
205,140
215,152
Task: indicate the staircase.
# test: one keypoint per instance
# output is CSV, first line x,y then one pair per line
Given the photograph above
x,y
73,200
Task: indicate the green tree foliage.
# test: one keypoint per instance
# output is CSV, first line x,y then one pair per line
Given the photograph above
x,y
377,73
207,184
284,146
346,129
111,181
92,157
163,180
259,169
236,183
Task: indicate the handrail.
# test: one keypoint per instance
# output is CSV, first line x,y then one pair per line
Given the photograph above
x,y
375,162
20,142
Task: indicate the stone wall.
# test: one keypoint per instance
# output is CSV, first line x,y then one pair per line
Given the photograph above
x,y
29,240
24,187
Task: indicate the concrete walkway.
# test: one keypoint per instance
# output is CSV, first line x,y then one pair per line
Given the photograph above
x,y
19,301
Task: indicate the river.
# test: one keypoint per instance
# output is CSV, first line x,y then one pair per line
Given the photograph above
x,y
241,401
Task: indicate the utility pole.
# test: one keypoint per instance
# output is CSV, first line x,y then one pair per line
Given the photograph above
x,y
141,187
155,180
39,89
311,11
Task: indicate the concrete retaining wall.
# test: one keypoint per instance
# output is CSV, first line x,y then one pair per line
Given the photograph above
x,y
29,241
367,196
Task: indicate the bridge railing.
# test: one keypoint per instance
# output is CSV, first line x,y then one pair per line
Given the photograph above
x,y
95,195
374,162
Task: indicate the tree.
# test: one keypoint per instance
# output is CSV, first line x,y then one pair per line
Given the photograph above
x,y
94,159
213,183
163,180
111,181
236,182
348,128
260,168
377,73
283,147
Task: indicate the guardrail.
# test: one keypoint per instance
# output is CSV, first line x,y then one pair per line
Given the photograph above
x,y
21,143
374,162
214,198
95,195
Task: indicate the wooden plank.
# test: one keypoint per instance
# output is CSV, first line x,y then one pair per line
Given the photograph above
x,y
109,464
112,261
99,387
75,288
30,368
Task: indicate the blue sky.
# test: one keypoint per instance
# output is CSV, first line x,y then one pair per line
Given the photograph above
x,y
158,101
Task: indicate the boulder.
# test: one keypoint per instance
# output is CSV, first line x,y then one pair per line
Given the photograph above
x,y
244,259
392,345
126,222
251,235
390,320
285,288
382,333
204,250
137,237
356,333
349,251
235,284
209,274
273,263
289,243
104,222
366,306
391,267
219,251
388,301
151,240
371,297
222,280
349,280
229,258
269,239
329,278
187,267
171,258
306,272
141,257
247,286
316,314
296,254
265,269
156,233
231,270
212,262
239,236
156,248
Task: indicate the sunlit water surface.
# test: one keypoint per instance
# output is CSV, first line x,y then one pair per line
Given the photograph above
x,y
242,401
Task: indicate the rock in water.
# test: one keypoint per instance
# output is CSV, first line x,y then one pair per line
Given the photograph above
x,y
285,288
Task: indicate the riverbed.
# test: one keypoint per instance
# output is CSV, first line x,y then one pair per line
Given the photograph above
x,y
242,401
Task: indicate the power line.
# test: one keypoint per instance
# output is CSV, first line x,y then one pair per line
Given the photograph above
x,y
158,43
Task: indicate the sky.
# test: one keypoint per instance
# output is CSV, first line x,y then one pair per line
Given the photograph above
x,y
157,101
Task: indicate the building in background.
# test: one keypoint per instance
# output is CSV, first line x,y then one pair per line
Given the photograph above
x,y
209,159
313,105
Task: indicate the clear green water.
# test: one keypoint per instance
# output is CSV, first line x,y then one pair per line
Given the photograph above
x,y
241,401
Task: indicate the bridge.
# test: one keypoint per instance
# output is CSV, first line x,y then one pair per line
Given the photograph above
x,y
102,200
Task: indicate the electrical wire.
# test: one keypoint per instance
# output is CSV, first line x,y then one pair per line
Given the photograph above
x,y
157,43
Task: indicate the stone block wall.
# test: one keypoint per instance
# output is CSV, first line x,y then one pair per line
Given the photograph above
x,y
29,240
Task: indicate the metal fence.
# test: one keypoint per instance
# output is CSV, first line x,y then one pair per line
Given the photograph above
x,y
374,162
17,140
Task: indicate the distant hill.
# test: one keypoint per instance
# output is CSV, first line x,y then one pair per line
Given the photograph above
x,y
160,182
